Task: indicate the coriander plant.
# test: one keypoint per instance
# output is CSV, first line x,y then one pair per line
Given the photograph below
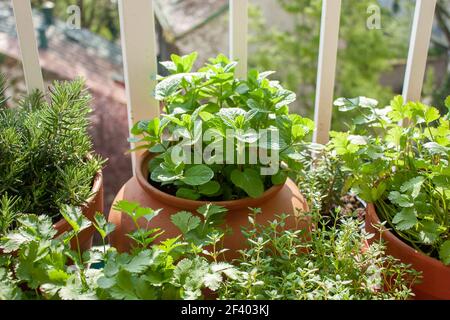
x,y
45,152
220,137
403,170
44,267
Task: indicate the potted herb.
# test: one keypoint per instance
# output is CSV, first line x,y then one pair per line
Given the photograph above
x,y
46,160
178,268
403,173
220,139
333,264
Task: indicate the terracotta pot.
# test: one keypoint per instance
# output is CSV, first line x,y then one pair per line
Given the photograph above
x,y
435,282
279,199
93,204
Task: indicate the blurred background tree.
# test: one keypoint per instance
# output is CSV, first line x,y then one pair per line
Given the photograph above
x,y
363,54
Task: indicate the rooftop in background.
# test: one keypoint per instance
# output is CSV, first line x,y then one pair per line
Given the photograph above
x,y
70,52
180,17
93,43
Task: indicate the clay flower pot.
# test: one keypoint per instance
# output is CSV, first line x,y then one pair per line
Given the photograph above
x,y
435,282
93,204
278,199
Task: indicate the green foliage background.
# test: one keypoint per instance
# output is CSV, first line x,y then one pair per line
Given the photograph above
x,y
363,54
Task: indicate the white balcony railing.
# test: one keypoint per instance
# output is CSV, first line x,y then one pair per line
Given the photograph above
x,y
140,66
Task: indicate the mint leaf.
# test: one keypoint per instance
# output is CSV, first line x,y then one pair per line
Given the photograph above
x,y
171,84
198,175
279,178
160,174
186,193
209,188
185,221
249,181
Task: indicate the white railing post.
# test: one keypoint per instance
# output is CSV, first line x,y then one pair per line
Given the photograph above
x,y
329,37
238,35
27,43
418,49
137,29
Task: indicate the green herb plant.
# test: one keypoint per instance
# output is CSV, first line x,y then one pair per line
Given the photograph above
x,y
45,152
45,267
214,100
333,263
403,170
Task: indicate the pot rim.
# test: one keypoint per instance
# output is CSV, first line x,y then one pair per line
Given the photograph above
x,y
391,237
141,172
96,185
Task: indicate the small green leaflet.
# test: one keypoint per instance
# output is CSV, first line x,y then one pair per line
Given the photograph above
x,y
213,280
75,218
405,219
444,252
447,105
139,263
431,114
209,210
413,185
185,221
104,228
429,231
400,199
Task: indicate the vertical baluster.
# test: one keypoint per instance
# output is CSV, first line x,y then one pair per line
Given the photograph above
x,y
238,35
28,47
329,36
137,26
418,49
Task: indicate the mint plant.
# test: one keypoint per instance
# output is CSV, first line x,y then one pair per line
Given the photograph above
x,y
404,171
219,137
44,152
